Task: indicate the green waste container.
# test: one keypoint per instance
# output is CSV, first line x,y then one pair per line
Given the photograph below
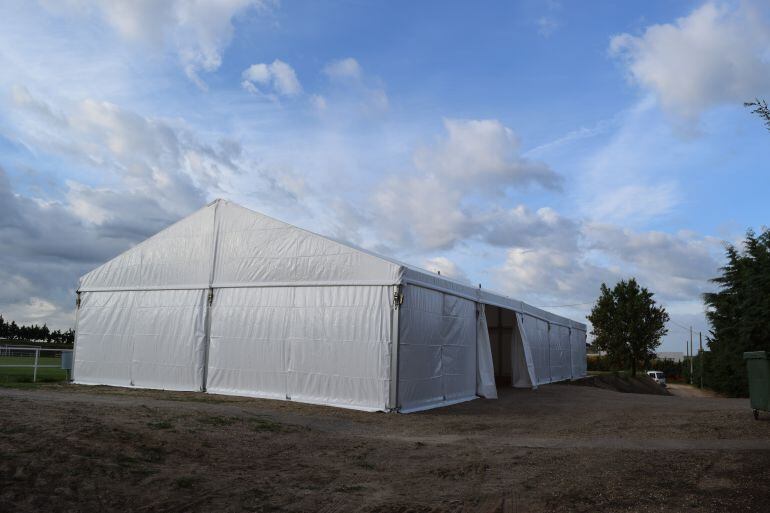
x,y
758,367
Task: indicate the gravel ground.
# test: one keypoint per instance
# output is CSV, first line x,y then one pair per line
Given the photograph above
x,y
685,390
560,448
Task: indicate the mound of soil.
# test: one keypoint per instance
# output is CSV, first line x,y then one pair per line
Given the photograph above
x,y
625,384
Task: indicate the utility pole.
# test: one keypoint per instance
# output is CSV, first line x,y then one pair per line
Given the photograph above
x,y
691,355
700,356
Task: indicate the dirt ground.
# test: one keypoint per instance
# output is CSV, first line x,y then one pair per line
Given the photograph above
x,y
684,390
559,448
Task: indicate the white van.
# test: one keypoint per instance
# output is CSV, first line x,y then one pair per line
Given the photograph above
x,y
658,377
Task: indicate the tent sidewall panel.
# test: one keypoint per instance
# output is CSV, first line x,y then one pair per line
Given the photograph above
x,y
558,352
538,338
524,374
560,355
147,339
322,345
485,368
103,353
578,347
437,349
168,339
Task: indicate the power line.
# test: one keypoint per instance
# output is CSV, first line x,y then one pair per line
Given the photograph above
x,y
682,330
686,328
678,324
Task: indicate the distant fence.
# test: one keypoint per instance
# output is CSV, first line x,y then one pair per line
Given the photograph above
x,y
35,358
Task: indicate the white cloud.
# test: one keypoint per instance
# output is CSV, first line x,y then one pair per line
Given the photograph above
x,y
259,73
431,206
632,178
376,100
285,79
446,267
549,22
547,25
277,76
548,259
636,201
421,211
520,227
544,275
483,153
449,199
139,174
318,102
197,31
350,89
717,54
44,247
21,97
162,159
678,266
344,69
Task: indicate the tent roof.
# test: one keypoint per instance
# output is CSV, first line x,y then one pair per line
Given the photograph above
x,y
226,245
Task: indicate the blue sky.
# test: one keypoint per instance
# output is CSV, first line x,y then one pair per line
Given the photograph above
x,y
536,147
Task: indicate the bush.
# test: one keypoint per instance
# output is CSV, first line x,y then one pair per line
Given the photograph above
x,y
672,369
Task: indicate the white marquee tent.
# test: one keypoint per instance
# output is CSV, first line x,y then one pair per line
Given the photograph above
x,y
230,301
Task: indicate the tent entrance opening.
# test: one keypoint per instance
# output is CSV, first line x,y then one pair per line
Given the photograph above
x,y
501,324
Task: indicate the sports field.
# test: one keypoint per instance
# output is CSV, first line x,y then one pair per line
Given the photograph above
x,y
10,375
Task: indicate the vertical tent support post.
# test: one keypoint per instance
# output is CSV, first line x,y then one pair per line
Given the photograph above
x,y
550,367
477,307
500,343
398,299
514,356
209,301
571,373
207,338
75,339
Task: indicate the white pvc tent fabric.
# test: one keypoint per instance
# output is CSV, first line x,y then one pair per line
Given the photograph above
x,y
147,339
485,367
328,345
231,301
437,349
524,375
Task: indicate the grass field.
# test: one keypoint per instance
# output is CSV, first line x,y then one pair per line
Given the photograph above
x,y
17,375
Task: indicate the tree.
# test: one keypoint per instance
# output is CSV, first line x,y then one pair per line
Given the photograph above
x,y
738,313
760,108
33,332
628,324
